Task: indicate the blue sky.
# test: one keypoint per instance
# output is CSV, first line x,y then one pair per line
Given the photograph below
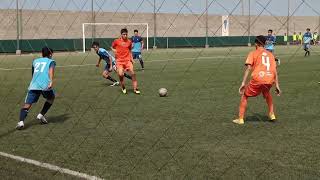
x,y
221,7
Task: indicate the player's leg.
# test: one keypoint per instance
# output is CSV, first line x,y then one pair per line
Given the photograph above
x,y
134,78
267,95
251,90
49,96
125,74
141,61
120,71
106,74
31,97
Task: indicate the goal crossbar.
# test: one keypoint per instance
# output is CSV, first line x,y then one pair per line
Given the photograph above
x,y
112,24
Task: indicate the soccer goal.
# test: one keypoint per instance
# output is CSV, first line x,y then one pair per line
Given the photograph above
x,y
112,30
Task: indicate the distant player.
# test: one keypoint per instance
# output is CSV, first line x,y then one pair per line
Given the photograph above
x,y
110,63
270,43
300,37
122,48
264,74
137,47
294,38
41,84
307,38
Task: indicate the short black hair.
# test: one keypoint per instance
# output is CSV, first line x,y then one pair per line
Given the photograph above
x,y
46,51
136,30
95,43
124,30
260,40
270,30
308,29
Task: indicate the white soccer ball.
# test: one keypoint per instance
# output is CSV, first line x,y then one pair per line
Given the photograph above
x,y
163,92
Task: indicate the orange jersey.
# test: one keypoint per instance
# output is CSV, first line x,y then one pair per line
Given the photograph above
x,y
263,66
123,50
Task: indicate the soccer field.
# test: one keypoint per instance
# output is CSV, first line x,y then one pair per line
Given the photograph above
x,y
95,129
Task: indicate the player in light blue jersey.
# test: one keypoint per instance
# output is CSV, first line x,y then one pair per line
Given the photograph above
x,y
41,84
137,46
270,43
110,63
307,37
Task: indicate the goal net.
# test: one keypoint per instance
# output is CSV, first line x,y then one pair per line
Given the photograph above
x,y
101,31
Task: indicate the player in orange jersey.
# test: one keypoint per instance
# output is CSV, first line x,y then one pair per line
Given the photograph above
x,y
264,74
122,48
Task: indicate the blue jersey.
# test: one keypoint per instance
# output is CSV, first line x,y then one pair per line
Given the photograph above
x,y
137,43
40,70
270,42
105,55
307,37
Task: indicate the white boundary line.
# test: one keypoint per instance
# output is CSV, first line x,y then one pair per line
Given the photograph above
x,y
50,166
159,60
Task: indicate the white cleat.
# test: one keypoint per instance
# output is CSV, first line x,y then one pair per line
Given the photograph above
x,y
115,84
42,119
20,125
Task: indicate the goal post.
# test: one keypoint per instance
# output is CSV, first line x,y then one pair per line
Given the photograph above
x,y
84,25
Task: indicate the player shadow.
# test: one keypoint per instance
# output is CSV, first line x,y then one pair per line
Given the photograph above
x,y
51,119
257,117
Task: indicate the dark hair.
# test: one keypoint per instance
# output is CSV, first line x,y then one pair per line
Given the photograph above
x,y
124,30
260,40
135,30
95,43
270,30
46,51
308,29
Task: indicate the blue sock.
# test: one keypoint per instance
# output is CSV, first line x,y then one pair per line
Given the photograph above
x,y
45,108
23,113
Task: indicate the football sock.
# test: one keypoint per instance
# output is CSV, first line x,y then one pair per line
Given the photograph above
x,y
141,63
268,98
127,76
243,106
45,108
23,113
111,79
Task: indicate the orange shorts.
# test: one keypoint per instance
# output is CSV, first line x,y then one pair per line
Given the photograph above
x,y
253,90
125,65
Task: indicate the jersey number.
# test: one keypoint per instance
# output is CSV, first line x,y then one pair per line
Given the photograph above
x,y
39,66
266,61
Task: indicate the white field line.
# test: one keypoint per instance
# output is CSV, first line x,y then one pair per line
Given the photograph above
x,y
50,166
159,60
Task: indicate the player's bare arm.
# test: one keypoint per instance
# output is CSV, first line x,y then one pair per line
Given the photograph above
x,y
51,75
98,63
245,77
278,90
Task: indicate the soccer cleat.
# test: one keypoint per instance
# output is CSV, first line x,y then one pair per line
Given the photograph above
x,y
124,91
136,91
238,121
42,119
20,125
115,84
272,117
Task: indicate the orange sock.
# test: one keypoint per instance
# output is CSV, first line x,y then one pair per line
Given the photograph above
x,y
268,98
243,106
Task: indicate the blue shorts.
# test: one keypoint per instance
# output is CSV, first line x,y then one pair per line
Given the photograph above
x,y
306,46
33,95
136,55
107,67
